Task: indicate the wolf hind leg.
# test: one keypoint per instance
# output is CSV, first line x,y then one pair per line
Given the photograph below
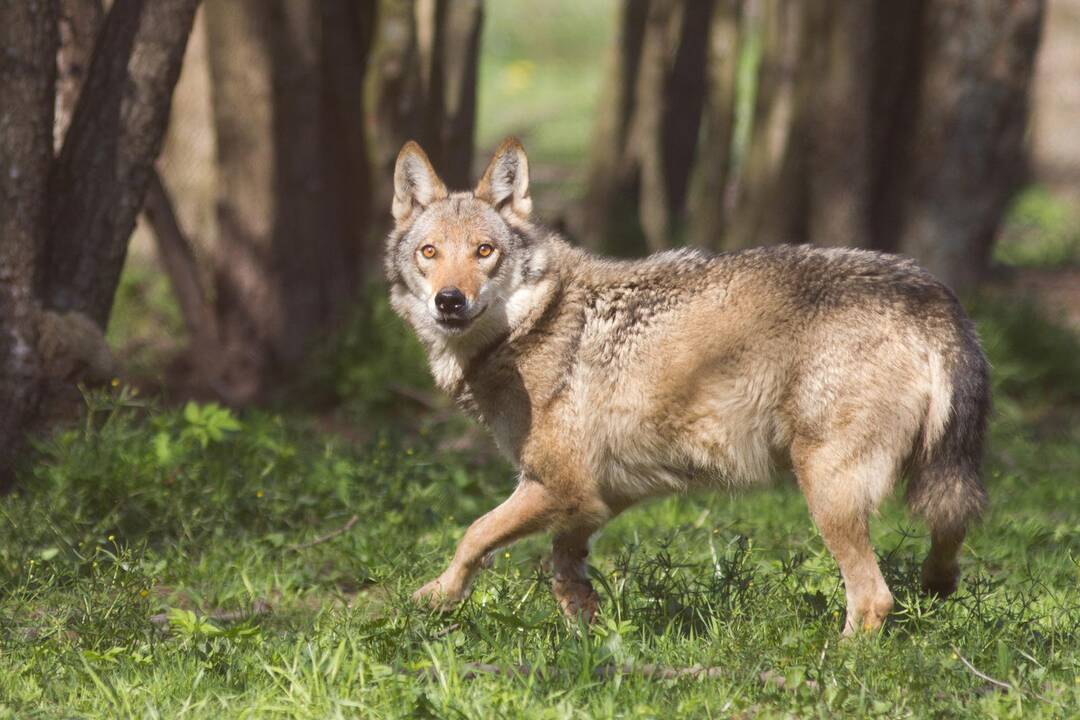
x,y
570,577
841,497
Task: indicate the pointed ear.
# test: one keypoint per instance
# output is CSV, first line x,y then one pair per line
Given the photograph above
x,y
505,183
415,183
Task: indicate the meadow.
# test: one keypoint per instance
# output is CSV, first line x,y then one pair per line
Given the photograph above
x,y
183,561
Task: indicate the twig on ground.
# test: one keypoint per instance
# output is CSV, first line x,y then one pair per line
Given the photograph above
x,y
982,675
328,536
1000,683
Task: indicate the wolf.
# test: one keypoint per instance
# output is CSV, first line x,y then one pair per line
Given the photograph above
x,y
608,382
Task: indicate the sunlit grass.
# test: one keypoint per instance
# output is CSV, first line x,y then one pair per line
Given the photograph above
x,y
160,563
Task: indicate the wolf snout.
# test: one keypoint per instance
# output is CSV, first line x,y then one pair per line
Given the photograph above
x,y
450,301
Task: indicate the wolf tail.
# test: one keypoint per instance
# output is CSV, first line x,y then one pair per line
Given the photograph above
x,y
946,488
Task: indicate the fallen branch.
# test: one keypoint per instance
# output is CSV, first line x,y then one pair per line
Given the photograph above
x,y
328,536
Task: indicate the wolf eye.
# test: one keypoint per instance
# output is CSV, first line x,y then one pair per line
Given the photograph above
x,y
428,251
485,250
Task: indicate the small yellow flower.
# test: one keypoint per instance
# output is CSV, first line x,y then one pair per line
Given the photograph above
x,y
112,538
144,593
115,382
259,493
506,555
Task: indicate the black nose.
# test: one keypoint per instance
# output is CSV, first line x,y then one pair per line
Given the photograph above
x,y
450,300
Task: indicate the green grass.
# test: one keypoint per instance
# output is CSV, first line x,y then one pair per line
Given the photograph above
x,y
155,565
1040,230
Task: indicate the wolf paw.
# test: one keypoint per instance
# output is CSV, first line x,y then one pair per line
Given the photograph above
x,y
439,595
577,599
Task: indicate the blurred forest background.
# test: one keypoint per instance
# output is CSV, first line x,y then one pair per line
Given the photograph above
x,y
209,185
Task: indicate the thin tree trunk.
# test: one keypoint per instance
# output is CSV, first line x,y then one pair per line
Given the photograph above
x,y
178,260
978,59
427,63
98,181
647,128
834,102
28,36
769,195
646,152
711,174
459,55
611,184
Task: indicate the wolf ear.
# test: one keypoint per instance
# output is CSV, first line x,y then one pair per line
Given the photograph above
x,y
505,183
415,183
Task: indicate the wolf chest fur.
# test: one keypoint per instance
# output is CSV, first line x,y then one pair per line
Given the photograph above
x,y
607,382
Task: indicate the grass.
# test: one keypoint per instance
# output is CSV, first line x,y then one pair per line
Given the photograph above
x,y
181,562
1041,229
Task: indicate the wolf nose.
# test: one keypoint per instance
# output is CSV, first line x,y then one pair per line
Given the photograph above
x,y
450,300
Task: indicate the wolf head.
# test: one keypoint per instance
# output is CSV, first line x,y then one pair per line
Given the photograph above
x,y
459,262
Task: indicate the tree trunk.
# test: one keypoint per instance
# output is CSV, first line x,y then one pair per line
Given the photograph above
x,y
292,175
769,194
612,183
28,36
648,152
427,63
98,181
708,194
896,70
978,59
834,105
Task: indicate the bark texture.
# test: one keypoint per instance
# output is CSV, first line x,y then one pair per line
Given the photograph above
x,y
978,60
293,180
27,78
98,181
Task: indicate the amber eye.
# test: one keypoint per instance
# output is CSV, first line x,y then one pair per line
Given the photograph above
x,y
485,250
428,251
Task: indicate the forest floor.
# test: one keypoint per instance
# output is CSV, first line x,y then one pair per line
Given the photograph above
x,y
179,561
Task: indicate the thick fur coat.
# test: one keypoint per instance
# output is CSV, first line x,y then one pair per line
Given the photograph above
x,y
610,381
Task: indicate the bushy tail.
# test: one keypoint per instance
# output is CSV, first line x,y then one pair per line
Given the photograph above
x,y
946,487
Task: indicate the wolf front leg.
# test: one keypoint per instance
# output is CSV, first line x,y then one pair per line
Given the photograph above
x,y
531,508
